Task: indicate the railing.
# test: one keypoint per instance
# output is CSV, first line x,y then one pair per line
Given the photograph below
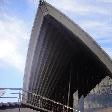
x,y
10,94
46,104
36,101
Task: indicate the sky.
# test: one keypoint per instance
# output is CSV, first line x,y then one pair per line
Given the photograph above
x,y
16,21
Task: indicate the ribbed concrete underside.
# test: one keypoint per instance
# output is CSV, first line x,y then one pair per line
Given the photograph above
x,y
60,49
52,56
58,54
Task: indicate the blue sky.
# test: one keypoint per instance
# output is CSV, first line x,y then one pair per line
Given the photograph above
x,y
16,20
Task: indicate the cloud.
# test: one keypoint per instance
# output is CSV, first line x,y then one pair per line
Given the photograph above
x,y
9,54
97,26
13,41
33,2
74,6
106,1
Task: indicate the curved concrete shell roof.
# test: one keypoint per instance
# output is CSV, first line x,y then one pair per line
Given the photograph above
x,y
39,58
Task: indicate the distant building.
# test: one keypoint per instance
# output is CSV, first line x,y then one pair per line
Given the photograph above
x,y
15,107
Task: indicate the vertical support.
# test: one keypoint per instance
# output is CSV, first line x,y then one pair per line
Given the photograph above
x,y
81,104
75,101
69,88
19,100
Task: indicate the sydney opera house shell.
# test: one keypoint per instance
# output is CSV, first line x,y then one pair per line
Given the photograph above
x,y
62,58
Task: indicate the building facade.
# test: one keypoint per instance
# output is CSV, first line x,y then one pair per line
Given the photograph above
x,y
62,58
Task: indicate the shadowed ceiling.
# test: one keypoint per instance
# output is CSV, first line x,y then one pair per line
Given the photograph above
x,y
60,58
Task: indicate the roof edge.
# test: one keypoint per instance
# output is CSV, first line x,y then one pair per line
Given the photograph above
x,y
79,32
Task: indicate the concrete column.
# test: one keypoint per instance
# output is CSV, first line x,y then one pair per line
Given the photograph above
x,y
75,101
81,104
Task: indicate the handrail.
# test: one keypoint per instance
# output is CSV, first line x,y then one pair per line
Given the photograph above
x,y
42,101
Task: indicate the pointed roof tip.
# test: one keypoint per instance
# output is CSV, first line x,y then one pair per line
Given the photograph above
x,y
41,2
